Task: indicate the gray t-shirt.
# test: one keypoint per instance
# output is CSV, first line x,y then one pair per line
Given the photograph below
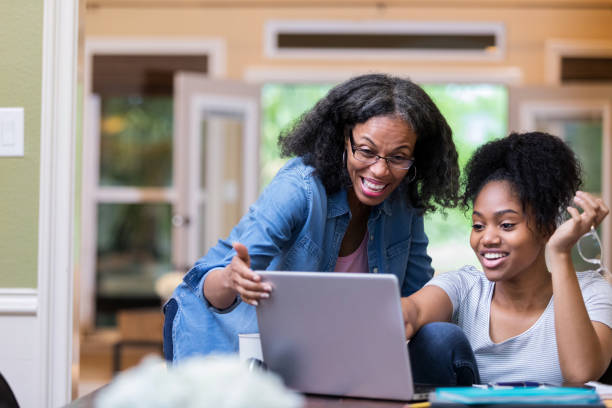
x,y
531,355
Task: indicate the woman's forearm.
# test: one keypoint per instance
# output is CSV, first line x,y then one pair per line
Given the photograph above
x,y
581,355
217,289
409,311
430,304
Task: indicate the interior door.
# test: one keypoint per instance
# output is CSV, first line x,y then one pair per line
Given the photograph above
x,y
127,204
581,115
128,192
216,160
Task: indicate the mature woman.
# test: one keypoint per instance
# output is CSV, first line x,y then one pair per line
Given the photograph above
x,y
528,316
372,156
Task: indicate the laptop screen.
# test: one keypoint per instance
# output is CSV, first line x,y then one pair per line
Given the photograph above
x,y
336,334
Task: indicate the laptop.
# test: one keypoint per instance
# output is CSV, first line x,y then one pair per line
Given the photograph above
x,y
336,334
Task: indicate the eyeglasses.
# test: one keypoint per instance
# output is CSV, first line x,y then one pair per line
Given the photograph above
x,y
591,240
369,157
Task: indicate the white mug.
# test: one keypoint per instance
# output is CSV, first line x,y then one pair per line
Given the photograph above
x,y
249,346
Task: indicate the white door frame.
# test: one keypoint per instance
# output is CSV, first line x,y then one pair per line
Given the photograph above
x,y
213,48
556,49
55,224
507,75
194,93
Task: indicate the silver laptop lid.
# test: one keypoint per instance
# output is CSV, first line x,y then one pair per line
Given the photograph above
x,y
336,334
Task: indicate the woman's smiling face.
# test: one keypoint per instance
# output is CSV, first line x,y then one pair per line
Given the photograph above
x,y
502,236
387,136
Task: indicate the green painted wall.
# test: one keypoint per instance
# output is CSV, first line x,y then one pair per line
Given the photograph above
x,y
20,86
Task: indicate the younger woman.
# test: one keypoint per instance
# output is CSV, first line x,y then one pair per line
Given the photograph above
x,y
528,315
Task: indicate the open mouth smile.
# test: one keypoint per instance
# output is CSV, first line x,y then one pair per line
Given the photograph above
x,y
493,259
494,255
372,187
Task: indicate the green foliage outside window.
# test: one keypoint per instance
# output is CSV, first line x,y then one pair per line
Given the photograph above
x,y
136,141
476,114
282,105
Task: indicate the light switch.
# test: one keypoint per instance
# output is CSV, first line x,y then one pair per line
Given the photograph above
x,y
11,132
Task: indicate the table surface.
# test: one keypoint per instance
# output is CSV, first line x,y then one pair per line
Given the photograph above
x,y
312,401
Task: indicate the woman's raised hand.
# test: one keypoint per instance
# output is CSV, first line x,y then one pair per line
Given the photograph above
x,y
568,233
243,280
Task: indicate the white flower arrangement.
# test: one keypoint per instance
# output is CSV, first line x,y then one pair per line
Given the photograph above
x,y
199,382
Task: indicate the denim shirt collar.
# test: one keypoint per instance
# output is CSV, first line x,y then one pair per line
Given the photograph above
x,y
337,205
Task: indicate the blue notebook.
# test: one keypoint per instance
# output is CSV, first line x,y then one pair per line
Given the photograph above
x,y
518,395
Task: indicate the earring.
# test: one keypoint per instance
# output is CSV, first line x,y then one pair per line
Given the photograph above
x,y
411,179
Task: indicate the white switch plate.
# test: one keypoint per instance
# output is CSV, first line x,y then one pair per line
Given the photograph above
x,y
11,132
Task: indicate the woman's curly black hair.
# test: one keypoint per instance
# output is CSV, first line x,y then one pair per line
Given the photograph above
x,y
319,136
543,171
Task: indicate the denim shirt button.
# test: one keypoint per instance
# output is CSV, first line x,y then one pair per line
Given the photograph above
x,y
371,237
375,270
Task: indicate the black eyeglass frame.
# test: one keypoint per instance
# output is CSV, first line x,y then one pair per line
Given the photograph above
x,y
376,157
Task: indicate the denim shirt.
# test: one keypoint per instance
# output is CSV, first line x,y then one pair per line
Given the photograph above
x,y
294,225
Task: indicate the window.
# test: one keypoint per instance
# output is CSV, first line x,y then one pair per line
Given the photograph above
x,y
586,69
401,39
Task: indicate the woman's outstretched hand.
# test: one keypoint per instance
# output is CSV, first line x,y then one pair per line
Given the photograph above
x,y
568,233
243,280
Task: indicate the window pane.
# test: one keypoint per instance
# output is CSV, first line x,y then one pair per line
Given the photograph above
x,y
136,141
388,41
584,134
595,69
202,247
282,104
476,114
229,127
233,130
133,250
221,146
203,152
124,74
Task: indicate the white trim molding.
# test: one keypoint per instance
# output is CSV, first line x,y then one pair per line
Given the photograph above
x,y
18,301
212,47
497,75
494,53
557,49
55,232
133,195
